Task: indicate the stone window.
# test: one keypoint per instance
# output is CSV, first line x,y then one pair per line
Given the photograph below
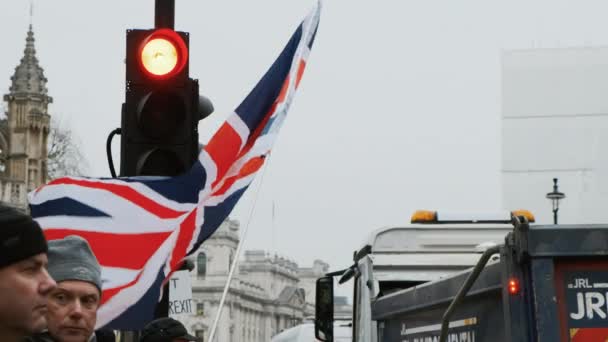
x,y
230,259
200,309
201,264
15,193
200,334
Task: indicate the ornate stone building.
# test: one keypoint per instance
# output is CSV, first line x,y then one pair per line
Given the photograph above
x,y
24,132
268,293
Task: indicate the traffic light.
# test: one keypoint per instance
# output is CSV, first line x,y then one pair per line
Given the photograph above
x,y
160,116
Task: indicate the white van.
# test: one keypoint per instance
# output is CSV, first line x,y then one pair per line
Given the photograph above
x,y
306,333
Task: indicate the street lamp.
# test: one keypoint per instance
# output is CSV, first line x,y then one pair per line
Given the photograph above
x,y
555,196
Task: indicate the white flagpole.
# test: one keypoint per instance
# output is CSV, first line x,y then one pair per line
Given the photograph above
x,y
236,256
274,228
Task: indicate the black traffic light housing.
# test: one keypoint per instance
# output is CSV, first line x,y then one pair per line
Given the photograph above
x,y
161,112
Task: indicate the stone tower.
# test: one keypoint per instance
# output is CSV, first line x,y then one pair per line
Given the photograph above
x,y
24,132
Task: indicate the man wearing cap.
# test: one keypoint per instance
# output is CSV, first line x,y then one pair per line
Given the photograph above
x,y
166,330
24,281
73,304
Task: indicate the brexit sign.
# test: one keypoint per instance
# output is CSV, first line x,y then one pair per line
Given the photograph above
x,y
180,295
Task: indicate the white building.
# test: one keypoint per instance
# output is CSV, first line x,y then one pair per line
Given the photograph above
x,y
555,125
268,293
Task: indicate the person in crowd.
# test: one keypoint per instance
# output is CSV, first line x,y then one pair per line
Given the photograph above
x,y
24,280
73,303
166,329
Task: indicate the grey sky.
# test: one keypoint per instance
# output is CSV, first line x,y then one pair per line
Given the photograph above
x,y
399,108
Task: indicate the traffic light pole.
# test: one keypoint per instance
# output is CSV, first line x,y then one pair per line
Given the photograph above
x,y
164,14
164,17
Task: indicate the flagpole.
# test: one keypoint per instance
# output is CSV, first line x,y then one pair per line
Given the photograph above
x,y
274,229
236,256
31,12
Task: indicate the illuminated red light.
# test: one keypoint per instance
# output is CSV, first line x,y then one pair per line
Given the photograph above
x,y
513,286
163,54
159,56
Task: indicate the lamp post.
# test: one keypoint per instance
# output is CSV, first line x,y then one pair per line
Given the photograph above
x,y
555,196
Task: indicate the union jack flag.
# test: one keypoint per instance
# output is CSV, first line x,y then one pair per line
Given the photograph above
x,y
141,228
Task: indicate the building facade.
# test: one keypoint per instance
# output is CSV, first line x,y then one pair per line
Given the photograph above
x,y
24,132
267,295
554,124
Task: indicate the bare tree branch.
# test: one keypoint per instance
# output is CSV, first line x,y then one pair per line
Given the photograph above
x,y
64,155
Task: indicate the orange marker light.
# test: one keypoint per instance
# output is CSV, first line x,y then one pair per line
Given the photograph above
x,y
513,286
159,56
424,216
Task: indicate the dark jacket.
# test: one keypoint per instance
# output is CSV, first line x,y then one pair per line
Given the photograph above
x,y
99,336
42,337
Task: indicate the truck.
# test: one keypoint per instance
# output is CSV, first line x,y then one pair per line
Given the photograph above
x,y
475,279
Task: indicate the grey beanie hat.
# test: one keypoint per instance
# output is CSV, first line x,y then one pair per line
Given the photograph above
x,y
71,258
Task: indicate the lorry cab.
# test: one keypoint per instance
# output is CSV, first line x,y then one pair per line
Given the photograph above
x,y
397,258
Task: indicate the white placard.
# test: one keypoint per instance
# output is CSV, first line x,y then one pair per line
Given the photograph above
x,y
180,294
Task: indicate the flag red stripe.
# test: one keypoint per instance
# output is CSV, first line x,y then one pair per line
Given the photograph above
x,y
109,293
127,193
301,68
283,91
186,231
250,167
130,251
223,149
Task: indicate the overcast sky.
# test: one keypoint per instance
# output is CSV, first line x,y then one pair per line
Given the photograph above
x,y
399,107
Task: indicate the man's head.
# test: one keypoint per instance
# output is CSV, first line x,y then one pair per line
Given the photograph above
x,y
24,281
165,330
73,304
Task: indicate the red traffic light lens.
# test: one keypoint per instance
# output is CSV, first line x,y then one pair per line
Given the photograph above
x,y
163,54
159,56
